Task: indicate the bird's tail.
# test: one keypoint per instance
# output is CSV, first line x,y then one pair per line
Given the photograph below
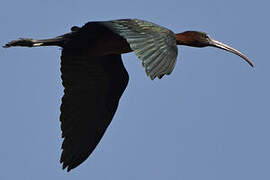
x,y
25,42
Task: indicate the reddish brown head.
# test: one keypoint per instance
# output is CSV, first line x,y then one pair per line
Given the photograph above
x,y
201,39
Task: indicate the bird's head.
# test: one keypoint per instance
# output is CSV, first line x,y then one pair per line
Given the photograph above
x,y
201,39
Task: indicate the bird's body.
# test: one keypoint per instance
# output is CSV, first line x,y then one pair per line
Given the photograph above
x,y
94,76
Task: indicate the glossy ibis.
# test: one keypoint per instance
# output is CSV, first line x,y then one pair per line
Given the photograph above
x,y
94,76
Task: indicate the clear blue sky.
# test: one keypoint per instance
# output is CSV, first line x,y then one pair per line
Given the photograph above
x,y
208,120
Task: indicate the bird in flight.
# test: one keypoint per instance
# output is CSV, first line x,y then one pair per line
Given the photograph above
x,y
94,77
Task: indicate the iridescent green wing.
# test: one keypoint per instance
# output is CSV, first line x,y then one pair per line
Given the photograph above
x,y
153,44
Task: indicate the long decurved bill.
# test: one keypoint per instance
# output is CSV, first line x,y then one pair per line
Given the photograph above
x,y
225,47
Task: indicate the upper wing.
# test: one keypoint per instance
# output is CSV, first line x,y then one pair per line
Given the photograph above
x,y
153,44
93,87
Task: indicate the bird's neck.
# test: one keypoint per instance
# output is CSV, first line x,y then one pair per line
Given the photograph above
x,y
190,38
182,39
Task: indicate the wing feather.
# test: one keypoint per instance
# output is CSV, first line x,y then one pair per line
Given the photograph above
x,y
152,58
93,87
147,40
154,72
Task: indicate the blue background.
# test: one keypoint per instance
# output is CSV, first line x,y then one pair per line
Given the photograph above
x,y
208,120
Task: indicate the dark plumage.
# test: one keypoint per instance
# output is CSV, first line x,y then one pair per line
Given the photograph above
x,y
94,77
93,87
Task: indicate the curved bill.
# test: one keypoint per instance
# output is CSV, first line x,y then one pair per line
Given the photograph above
x,y
225,47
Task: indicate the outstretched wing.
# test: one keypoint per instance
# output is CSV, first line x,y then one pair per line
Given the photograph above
x,y
93,87
153,44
